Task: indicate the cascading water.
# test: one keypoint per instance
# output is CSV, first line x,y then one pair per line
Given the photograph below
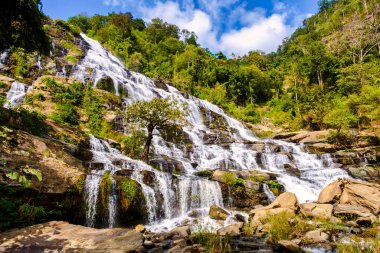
x,y
312,172
15,95
173,199
193,194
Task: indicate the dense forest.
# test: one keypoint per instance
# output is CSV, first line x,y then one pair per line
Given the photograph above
x,y
326,75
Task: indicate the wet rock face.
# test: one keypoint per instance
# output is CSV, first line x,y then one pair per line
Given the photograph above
x,y
169,165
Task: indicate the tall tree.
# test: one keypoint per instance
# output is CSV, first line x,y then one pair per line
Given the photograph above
x,y
155,114
21,25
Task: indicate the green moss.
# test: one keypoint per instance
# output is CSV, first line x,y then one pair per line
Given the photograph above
x,y
257,178
228,178
204,173
105,188
275,187
80,184
71,59
129,190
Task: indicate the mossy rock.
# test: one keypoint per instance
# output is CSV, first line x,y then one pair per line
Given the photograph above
x,y
106,83
104,195
132,203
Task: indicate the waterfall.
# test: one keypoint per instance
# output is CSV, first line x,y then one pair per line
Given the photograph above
x,y
194,193
300,172
15,95
269,193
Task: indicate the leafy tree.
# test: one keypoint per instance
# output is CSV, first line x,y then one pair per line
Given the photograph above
x,y
21,26
340,117
155,114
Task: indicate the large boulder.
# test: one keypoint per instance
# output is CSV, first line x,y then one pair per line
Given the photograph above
x,y
285,200
317,210
59,236
352,211
331,193
259,214
218,175
315,236
289,246
232,230
218,213
361,194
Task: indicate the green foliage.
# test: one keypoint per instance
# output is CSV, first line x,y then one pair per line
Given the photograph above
x,y
359,245
129,192
21,26
105,188
229,178
204,173
340,117
94,111
213,243
19,64
156,113
132,145
68,98
5,135
30,212
80,185
24,177
275,187
285,226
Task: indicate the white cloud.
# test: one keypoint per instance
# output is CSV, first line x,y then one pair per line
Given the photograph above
x,y
265,35
258,31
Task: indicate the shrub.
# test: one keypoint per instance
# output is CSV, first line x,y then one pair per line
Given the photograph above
x,y
66,114
285,226
213,242
94,111
204,173
229,178
275,187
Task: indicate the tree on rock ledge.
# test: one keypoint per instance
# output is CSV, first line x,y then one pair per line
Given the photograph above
x,y
156,113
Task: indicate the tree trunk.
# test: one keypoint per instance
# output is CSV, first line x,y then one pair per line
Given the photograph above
x,y
320,78
148,142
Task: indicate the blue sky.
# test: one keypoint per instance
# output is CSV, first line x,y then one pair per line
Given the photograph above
x,y
230,26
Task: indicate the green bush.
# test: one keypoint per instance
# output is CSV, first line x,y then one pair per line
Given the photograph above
x,y
213,243
66,114
132,145
285,226
94,111
204,173
229,178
